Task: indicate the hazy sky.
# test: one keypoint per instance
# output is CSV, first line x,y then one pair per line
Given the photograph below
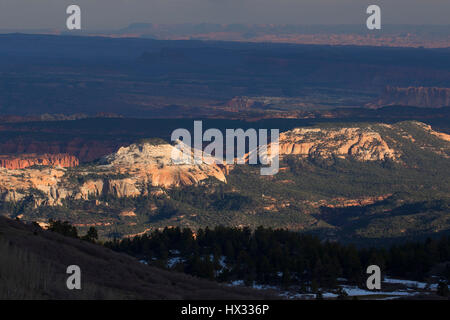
x,y
113,14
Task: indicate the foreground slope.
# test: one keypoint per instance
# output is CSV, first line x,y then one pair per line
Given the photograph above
x,y
33,263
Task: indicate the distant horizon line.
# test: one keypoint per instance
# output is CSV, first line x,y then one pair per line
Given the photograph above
x,y
221,24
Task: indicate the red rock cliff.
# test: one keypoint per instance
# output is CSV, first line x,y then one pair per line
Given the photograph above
x,y
27,160
415,96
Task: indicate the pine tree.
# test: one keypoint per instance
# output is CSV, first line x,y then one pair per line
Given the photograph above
x,y
442,289
91,235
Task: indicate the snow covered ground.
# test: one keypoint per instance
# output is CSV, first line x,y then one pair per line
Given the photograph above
x,y
410,283
391,288
173,261
409,288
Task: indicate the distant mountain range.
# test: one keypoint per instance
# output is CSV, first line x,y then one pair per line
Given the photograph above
x,y
391,35
429,36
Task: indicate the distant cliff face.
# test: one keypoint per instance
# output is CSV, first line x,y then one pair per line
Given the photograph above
x,y
138,169
362,144
370,142
153,164
429,97
27,160
242,103
130,172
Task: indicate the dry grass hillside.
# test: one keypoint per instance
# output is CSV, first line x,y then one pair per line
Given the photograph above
x,y
33,264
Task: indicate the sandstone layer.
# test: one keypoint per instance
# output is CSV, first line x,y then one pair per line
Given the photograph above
x,y
430,97
28,160
363,144
358,143
130,172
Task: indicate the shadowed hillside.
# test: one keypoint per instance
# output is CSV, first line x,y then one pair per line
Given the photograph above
x,y
33,264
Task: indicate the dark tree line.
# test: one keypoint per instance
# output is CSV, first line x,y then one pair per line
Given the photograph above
x,y
66,229
280,257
